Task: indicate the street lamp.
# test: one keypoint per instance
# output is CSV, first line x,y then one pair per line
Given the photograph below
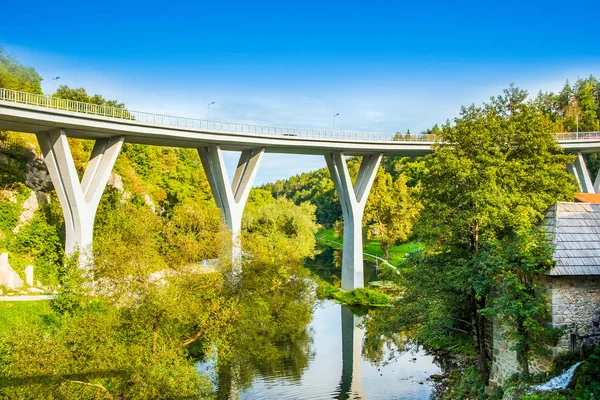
x,y
208,110
334,120
52,80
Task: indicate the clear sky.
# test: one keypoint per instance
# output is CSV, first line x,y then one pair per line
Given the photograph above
x,y
383,65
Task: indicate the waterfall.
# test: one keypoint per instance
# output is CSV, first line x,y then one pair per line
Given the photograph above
x,y
558,382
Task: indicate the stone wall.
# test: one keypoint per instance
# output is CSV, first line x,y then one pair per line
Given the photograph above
x,y
575,304
504,360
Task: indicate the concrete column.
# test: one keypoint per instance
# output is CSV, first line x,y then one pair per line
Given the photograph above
x,y
231,198
581,173
597,183
79,200
353,200
352,341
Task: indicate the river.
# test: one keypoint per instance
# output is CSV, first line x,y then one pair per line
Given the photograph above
x,y
334,364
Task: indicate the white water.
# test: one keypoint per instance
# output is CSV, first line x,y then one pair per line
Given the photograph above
x,y
558,382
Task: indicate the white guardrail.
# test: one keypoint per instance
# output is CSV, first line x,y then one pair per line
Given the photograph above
x,y
223,126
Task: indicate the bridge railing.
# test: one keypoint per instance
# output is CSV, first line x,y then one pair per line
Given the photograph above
x,y
224,126
578,136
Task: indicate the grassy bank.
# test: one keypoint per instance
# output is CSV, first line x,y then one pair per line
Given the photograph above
x,y
15,313
397,253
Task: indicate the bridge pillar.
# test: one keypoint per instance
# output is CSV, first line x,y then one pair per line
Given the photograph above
x,y
353,200
231,198
79,200
581,173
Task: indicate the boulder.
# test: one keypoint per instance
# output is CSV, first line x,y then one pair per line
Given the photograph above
x,y
29,275
8,277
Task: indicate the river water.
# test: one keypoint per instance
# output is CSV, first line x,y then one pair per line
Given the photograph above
x,y
335,366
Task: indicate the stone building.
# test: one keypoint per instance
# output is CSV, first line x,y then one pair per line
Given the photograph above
x,y
573,285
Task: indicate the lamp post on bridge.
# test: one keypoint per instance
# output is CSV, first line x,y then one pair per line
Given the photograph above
x,y
208,110
334,120
52,80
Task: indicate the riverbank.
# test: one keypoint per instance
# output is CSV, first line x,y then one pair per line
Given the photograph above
x,y
372,248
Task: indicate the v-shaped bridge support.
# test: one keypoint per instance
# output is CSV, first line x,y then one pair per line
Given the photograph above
x,y
353,201
79,200
579,170
231,198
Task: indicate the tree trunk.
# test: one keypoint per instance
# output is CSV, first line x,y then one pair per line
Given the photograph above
x,y
479,339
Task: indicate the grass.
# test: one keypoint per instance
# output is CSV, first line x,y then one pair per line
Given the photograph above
x,y
357,297
15,313
397,253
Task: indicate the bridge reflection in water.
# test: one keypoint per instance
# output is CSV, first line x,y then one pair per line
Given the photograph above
x,y
337,369
352,341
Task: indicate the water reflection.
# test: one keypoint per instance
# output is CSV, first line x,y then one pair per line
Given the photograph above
x,y
352,341
329,364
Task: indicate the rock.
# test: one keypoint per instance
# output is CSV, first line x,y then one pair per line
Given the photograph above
x,y
115,181
9,195
29,208
149,203
37,177
8,277
29,275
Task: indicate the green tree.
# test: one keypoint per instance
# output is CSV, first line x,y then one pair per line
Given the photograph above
x,y
16,76
501,172
518,300
588,120
390,211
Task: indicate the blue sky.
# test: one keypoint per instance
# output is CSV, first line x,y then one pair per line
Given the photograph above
x,y
384,66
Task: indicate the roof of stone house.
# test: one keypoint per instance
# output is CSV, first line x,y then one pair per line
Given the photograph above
x,y
575,228
587,198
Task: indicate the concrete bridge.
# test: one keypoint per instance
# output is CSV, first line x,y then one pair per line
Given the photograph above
x,y
53,120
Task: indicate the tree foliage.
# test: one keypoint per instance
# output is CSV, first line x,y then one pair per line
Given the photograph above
x,y
391,210
16,76
485,190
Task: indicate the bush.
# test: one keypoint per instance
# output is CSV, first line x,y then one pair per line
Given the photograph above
x,y
466,385
362,297
587,378
356,297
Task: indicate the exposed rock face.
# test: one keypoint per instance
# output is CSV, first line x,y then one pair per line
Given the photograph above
x,y
29,208
115,181
8,276
37,177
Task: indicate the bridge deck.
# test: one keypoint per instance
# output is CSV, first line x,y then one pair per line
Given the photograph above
x,y
25,112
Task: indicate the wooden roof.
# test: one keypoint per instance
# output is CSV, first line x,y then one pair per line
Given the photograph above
x,y
587,198
575,229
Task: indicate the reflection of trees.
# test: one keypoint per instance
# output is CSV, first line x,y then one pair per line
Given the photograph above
x,y
327,265
383,343
269,336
